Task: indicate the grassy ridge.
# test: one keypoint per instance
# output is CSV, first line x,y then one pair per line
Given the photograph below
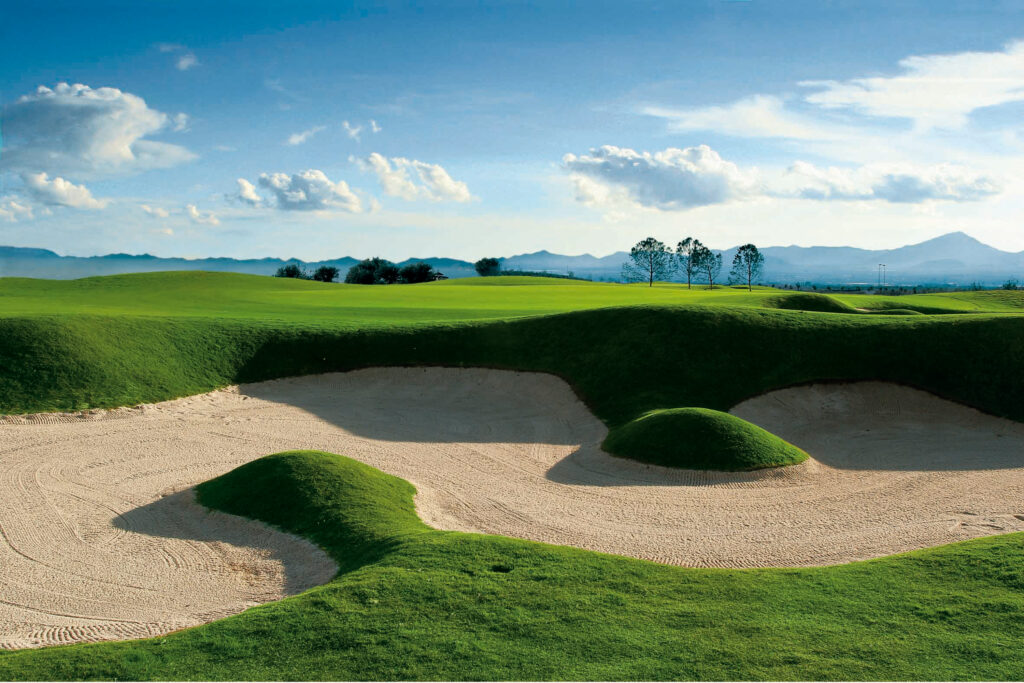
x,y
431,605
622,361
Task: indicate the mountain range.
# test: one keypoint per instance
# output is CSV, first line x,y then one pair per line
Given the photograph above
x,y
952,259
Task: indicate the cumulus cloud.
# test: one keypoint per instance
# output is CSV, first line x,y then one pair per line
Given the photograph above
x,y
246,194
615,179
59,192
155,211
671,179
934,91
374,127
12,210
892,183
411,179
300,138
78,131
197,216
310,190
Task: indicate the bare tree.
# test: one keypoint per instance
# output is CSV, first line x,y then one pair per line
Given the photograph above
x,y
747,264
650,260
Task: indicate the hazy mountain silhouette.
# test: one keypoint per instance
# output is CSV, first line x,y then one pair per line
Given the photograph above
x,y
954,258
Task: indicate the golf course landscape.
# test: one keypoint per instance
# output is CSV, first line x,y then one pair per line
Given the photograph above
x,y
732,415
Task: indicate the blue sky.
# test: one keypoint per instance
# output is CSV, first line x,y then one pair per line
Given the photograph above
x,y
494,128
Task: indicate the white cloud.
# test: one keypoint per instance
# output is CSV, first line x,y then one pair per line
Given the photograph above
x,y
155,211
759,116
12,210
310,190
892,183
197,216
934,91
186,62
300,138
616,180
672,179
59,192
352,131
246,194
921,115
75,130
411,179
186,59
179,122
374,127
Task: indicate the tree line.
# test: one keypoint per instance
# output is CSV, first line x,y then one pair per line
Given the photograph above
x,y
651,259
371,271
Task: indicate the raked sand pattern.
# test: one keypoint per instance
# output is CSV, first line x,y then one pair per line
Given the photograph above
x,y
100,536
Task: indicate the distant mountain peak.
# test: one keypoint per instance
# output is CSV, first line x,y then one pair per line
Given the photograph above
x,y
957,237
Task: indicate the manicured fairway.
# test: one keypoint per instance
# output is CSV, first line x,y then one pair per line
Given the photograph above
x,y
230,295
415,603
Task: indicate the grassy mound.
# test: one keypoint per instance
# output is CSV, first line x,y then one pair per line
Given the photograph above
x,y
700,439
807,301
413,603
353,511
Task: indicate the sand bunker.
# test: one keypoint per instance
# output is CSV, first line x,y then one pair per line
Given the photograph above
x,y
89,548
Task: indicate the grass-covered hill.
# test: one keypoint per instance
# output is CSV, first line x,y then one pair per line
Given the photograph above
x,y
415,603
412,603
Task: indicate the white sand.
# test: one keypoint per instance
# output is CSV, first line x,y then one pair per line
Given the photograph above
x,y
91,550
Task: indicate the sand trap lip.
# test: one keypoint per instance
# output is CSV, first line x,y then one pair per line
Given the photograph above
x,y
892,469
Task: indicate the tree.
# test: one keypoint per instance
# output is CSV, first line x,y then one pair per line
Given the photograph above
x,y
292,270
649,260
747,264
411,273
326,274
372,271
488,267
707,263
684,257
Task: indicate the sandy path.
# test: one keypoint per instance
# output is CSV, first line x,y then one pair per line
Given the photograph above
x,y
490,451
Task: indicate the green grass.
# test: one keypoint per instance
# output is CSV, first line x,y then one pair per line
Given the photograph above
x,y
414,603
235,296
700,439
